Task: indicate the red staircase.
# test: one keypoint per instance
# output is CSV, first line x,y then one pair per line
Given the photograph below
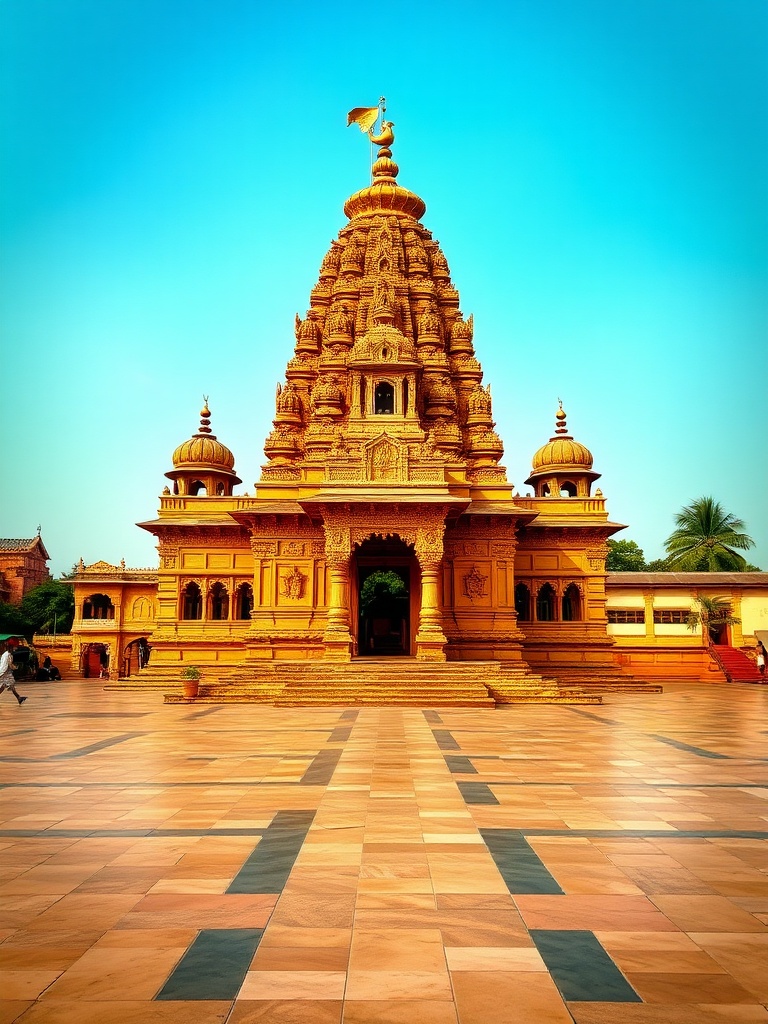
x,y
737,667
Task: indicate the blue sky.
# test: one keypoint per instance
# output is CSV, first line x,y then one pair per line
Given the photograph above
x,y
174,170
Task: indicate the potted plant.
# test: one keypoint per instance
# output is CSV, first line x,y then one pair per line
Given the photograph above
x,y
190,681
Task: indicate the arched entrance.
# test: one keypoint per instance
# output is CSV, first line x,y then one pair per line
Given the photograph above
x,y
94,660
135,656
387,577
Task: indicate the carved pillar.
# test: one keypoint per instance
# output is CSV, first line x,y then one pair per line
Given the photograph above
x,y
264,550
430,638
648,606
338,547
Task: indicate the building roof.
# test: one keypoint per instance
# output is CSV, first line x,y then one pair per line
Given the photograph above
x,y
687,579
23,544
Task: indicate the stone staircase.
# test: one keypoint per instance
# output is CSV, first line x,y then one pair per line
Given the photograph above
x,y
735,665
376,682
603,679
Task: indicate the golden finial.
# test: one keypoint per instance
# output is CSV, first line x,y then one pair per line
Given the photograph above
x,y
560,426
205,417
365,118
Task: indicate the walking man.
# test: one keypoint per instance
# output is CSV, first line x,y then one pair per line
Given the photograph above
x,y
7,682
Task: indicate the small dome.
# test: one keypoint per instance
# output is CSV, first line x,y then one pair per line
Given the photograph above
x,y
561,452
203,452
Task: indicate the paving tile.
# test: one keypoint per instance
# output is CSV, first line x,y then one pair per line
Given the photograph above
x,y
391,861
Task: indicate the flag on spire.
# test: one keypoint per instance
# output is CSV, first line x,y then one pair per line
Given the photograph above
x,y
364,117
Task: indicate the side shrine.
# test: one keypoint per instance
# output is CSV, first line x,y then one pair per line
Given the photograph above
x,y
383,523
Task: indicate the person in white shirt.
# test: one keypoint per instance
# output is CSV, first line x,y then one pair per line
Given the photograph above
x,y
7,682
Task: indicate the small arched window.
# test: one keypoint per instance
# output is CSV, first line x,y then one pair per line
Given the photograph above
x,y
197,488
244,601
384,398
405,396
567,489
545,603
192,602
98,606
523,602
218,602
572,604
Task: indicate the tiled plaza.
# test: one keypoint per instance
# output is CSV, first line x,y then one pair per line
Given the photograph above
x,y
182,863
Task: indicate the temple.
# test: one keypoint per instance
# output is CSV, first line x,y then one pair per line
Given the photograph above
x,y
383,524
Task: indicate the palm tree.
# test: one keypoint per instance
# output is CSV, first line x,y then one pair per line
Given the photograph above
x,y
705,539
712,614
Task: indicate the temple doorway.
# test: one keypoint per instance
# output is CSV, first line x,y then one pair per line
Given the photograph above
x,y
386,569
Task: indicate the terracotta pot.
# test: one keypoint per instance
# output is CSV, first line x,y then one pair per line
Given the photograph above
x,y
191,688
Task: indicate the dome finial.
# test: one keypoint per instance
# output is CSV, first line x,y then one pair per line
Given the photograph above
x,y
365,118
560,426
205,420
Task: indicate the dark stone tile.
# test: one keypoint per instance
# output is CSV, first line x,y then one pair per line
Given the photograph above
x,y
476,793
457,763
320,771
522,870
214,966
267,868
678,745
581,968
91,748
445,740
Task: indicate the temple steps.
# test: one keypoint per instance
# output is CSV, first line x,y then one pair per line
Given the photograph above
x,y
591,679
392,682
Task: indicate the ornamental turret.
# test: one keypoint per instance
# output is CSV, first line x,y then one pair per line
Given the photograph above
x,y
203,465
562,467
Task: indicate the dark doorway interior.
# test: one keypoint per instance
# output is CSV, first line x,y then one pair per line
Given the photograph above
x,y
384,598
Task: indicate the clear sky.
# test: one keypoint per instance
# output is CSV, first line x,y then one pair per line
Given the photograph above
x,y
174,170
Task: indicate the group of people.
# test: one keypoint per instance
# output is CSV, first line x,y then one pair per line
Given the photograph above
x,y
47,671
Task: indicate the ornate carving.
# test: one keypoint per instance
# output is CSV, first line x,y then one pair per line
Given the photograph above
x,y
307,333
503,548
474,583
353,254
428,325
287,404
596,557
339,326
280,473
331,261
441,398
292,548
327,397
294,584
263,548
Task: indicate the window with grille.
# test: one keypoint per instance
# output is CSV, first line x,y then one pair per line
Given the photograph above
x,y
674,615
626,615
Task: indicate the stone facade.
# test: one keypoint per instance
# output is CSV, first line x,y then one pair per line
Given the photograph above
x,y
23,566
382,465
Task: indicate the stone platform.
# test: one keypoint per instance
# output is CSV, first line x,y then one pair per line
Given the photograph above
x,y
163,864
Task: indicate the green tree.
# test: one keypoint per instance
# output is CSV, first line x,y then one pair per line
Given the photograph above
x,y
658,565
383,582
50,607
13,621
624,556
712,614
706,539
